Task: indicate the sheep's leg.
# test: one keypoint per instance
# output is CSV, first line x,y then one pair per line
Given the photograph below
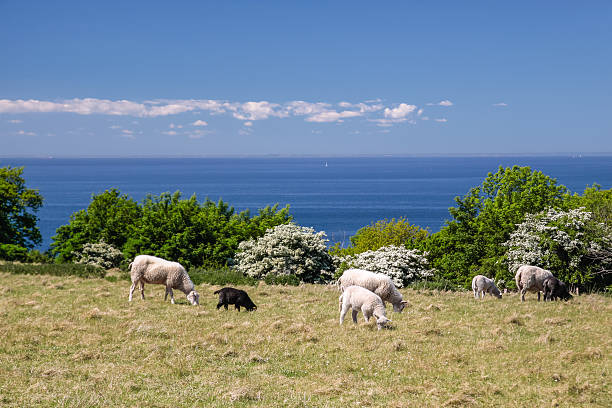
x,y
169,290
219,305
538,295
343,313
523,294
475,294
354,314
132,290
237,306
141,289
366,315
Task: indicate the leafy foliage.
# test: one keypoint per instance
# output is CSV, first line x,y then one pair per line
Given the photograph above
x,y
485,217
18,206
568,243
402,265
82,271
11,252
220,276
287,250
100,254
384,233
192,233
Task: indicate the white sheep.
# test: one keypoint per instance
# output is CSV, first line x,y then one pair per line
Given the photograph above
x,y
482,285
370,304
378,283
531,278
151,269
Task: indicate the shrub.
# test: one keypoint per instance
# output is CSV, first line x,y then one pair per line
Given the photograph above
x,y
35,256
101,254
273,279
12,252
287,250
440,284
400,264
220,276
82,271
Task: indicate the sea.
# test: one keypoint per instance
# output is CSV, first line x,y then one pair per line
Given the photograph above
x,y
338,195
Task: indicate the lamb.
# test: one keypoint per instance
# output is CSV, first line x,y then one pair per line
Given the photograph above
x,y
378,283
370,304
151,269
483,285
531,278
236,297
554,288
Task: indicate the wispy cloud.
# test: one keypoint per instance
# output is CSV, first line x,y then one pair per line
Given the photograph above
x,y
445,102
248,112
24,133
15,121
500,104
170,133
441,120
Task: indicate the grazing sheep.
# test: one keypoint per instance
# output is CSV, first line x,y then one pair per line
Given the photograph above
x,y
483,285
370,304
531,278
554,288
150,269
378,283
236,297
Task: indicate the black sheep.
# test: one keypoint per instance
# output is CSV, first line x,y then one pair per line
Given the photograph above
x,y
237,297
554,288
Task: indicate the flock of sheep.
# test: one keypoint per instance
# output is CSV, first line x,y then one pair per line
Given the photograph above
x,y
362,290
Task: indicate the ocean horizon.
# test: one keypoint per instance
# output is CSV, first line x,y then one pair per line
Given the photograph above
x,y
336,194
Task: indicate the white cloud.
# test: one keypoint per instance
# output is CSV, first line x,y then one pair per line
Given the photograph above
x,y
442,120
23,132
332,116
127,132
15,121
257,110
425,118
500,104
170,133
248,123
420,112
445,102
363,107
115,127
200,123
400,112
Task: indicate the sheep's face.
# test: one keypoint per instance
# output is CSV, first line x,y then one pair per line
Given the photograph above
x,y
397,308
382,321
194,298
495,292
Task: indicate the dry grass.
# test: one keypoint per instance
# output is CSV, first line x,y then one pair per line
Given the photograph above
x,y
78,342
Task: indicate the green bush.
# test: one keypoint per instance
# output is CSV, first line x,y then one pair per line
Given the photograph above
x,y
82,271
440,284
274,279
12,252
221,276
35,256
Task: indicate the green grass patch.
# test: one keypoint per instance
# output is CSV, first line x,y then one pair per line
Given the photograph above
x,y
67,341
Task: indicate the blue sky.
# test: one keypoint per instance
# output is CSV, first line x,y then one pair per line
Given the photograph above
x,y
330,78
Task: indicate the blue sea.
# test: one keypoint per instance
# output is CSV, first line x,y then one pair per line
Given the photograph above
x,y
336,195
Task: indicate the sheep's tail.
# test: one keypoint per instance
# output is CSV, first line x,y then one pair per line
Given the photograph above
x,y
339,284
216,292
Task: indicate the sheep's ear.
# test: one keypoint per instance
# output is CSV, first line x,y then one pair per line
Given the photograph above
x,y
405,302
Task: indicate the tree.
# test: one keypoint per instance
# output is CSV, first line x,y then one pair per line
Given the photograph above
x,y
18,206
399,233
287,250
110,217
484,218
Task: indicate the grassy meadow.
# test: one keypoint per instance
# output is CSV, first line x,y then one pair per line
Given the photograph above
x,y
67,341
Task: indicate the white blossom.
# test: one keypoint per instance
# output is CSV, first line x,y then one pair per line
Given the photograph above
x,y
400,264
99,254
286,249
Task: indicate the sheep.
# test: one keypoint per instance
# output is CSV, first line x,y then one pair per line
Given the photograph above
x,y
554,288
378,283
150,269
370,304
236,297
483,285
531,278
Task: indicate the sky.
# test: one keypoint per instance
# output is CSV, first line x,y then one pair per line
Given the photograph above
x,y
235,78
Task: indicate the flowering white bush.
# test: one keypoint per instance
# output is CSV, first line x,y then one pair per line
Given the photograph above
x,y
286,249
400,264
101,254
566,242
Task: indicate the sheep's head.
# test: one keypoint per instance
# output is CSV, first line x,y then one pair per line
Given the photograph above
x,y
495,292
382,321
398,307
194,298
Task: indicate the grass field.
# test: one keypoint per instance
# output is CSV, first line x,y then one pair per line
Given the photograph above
x,y
78,342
